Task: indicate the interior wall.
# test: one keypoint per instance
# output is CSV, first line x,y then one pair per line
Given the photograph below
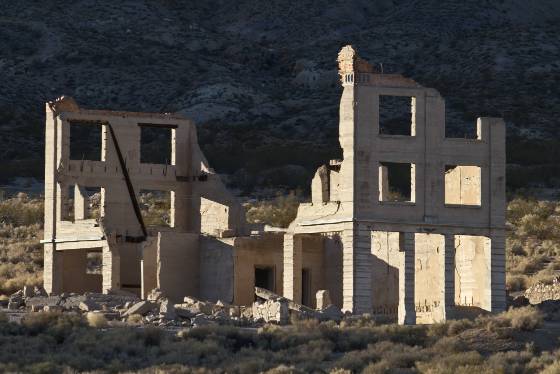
x,y
74,275
387,262
131,278
333,267
429,277
472,271
149,265
313,259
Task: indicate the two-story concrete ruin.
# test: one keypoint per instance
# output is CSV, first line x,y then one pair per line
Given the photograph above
x,y
409,225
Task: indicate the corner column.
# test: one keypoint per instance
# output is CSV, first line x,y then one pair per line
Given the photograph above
x,y
292,267
496,247
407,312
111,268
356,269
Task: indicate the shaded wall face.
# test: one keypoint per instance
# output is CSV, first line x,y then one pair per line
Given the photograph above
x,y
216,269
130,257
472,275
251,253
387,260
429,269
75,277
333,268
313,263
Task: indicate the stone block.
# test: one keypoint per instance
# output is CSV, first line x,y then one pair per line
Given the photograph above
x,y
323,299
142,308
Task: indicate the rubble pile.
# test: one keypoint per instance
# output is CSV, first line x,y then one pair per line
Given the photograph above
x,y
158,310
542,292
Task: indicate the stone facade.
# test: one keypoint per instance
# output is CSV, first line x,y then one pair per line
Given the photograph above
x,y
409,225
419,257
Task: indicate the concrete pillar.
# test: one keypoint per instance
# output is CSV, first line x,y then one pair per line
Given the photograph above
x,y
407,312
292,267
111,270
53,269
356,270
383,183
81,203
496,246
448,277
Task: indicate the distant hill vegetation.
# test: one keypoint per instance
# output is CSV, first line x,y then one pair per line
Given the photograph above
x,y
260,80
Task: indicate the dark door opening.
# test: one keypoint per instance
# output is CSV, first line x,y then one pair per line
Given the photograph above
x,y
306,287
264,278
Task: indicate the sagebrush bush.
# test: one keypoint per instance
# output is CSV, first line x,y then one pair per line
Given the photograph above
x,y
279,212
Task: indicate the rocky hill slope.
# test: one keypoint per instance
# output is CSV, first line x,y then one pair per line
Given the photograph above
x,y
260,78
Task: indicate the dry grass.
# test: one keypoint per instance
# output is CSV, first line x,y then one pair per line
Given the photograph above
x,y
533,243
96,320
68,341
21,255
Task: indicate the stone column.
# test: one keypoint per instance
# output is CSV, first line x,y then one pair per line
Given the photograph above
x,y
292,267
406,312
53,268
496,246
448,273
357,268
111,269
81,203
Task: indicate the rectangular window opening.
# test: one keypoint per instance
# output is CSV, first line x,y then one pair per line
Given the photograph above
x,y
155,144
94,261
397,182
462,185
85,140
155,207
397,115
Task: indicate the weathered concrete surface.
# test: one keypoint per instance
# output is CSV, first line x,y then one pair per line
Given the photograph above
x,y
411,256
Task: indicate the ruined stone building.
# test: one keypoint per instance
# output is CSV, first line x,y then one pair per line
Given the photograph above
x,y
410,225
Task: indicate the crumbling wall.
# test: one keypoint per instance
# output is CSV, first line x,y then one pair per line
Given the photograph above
x,y
386,265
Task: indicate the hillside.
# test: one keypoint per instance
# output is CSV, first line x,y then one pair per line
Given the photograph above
x,y
260,81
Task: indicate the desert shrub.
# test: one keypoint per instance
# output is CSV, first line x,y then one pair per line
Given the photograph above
x,y
21,211
279,212
134,319
527,318
96,320
516,282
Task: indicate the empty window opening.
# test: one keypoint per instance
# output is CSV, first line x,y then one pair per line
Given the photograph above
x,y
155,144
94,262
85,140
462,185
264,277
306,287
397,115
155,207
79,203
397,181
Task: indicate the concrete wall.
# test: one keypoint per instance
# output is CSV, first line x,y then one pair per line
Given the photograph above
x,y
178,264
249,252
216,269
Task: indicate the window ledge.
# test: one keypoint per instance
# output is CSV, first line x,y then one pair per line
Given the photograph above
x,y
463,206
401,203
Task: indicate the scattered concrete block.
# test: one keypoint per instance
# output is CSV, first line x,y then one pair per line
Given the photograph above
x,y
323,299
141,308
